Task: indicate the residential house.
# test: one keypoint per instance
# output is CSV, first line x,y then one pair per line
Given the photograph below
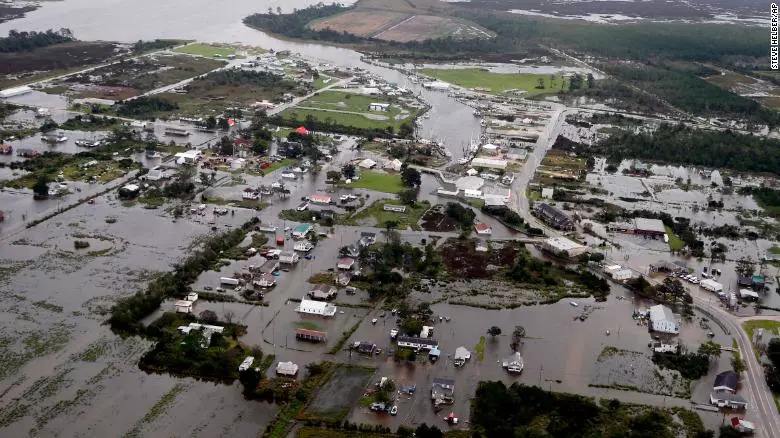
x,y
394,165
310,335
289,257
462,355
367,238
345,263
322,292
394,208
250,194
725,399
301,231
368,163
514,364
320,199
416,342
376,106
265,280
663,320
364,347
343,278
313,307
442,391
303,246
483,229
726,381
563,247
288,369
553,217
183,306
269,266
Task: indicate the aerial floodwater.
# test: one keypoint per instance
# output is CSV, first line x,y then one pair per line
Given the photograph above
x,y
389,214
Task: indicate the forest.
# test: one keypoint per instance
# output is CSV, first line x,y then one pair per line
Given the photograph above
x,y
25,41
680,144
145,107
521,35
530,411
685,90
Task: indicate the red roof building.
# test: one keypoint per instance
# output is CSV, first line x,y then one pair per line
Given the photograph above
x,y
302,130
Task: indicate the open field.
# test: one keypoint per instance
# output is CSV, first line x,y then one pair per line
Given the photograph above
x,y
211,94
380,182
498,83
350,109
426,27
138,76
24,67
401,21
375,215
364,23
336,397
769,326
207,50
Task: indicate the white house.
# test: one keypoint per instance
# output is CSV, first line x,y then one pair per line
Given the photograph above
x,y
663,320
303,246
289,257
623,275
286,369
312,307
377,106
547,193
562,246
265,280
489,163
417,343
368,163
394,164
183,306
187,157
246,363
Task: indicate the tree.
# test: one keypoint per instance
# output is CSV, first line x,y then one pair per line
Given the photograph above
x,y
333,176
211,122
425,431
494,331
517,337
225,146
222,124
710,348
408,196
208,316
41,187
410,177
411,326
229,316
773,352
348,171
737,364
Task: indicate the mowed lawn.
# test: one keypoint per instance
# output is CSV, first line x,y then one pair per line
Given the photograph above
x,y
498,83
379,182
207,50
350,109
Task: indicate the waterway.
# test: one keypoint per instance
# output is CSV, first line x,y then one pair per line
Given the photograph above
x,y
130,21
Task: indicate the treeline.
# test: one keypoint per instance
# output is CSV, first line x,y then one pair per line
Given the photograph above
x,y
239,77
680,144
158,44
295,25
518,34
126,315
684,89
25,41
530,411
145,107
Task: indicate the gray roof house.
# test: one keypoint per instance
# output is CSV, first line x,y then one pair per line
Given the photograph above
x,y
726,381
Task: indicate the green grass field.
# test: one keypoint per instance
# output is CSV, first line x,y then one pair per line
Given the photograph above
x,y
498,83
675,243
350,109
408,219
380,182
207,50
768,326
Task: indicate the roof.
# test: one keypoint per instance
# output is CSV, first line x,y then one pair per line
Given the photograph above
x,y
310,333
727,396
563,244
287,368
302,130
323,287
320,198
346,261
481,227
462,353
489,162
416,340
654,225
726,379
302,228
317,307
662,313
